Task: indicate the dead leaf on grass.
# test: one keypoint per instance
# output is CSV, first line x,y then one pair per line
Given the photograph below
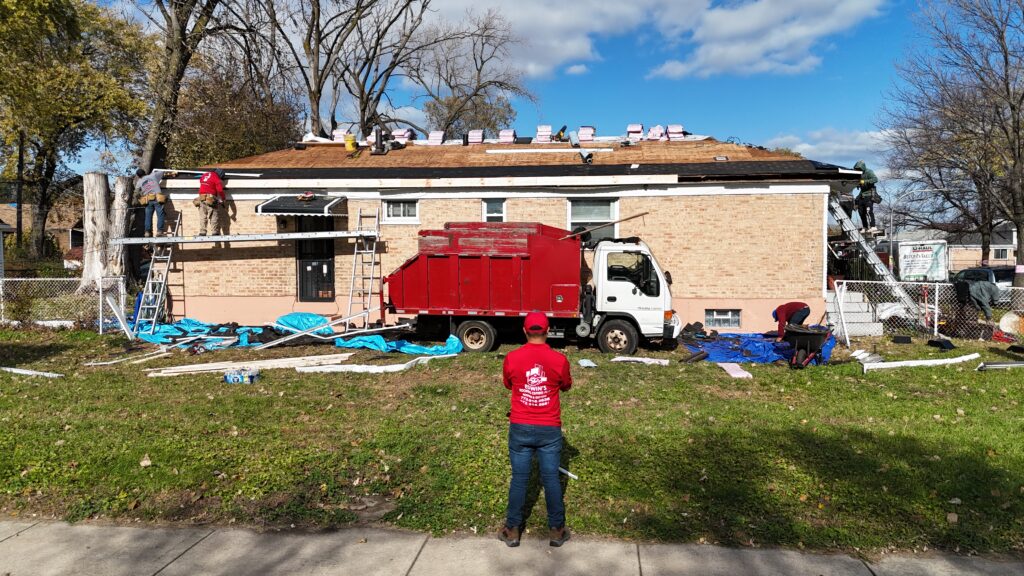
x,y
952,518
145,462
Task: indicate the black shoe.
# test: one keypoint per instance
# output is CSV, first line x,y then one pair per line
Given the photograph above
x,y
558,536
510,536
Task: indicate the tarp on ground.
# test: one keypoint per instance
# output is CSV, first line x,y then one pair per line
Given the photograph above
x,y
302,321
188,327
451,346
752,348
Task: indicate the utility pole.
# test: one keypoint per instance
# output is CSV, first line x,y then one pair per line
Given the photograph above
x,y
20,184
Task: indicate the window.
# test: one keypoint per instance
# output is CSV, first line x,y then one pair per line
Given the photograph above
x,y
590,213
1000,253
494,210
635,268
401,212
722,318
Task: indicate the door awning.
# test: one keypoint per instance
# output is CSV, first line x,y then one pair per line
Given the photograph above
x,y
302,205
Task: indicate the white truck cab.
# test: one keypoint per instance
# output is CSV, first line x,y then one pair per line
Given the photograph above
x,y
631,297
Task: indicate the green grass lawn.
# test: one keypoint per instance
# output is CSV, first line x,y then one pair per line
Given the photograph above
x,y
824,458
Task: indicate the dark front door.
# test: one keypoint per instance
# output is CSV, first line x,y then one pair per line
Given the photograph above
x,y
315,261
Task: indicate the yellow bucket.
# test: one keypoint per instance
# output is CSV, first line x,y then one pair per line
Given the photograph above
x,y
350,142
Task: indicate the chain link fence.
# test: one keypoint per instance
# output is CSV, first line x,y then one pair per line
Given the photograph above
x,y
59,303
862,308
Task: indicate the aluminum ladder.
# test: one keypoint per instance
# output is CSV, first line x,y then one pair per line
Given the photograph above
x,y
881,270
154,293
365,281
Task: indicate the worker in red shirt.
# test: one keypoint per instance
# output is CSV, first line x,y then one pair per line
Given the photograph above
x,y
536,375
790,313
210,201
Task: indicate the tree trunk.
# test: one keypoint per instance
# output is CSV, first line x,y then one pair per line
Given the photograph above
x,y
165,111
96,191
37,236
986,246
1018,278
119,214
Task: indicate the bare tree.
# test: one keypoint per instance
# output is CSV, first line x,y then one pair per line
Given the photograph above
x,y
311,35
977,48
468,79
184,24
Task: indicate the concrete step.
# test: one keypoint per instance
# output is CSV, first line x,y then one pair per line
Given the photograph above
x,y
854,318
847,297
848,307
864,329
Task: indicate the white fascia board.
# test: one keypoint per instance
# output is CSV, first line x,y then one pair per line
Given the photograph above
x,y
597,192
346,183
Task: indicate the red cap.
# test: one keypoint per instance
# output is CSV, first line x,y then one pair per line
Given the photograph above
x,y
536,323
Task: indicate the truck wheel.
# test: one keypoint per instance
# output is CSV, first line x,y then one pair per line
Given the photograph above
x,y
617,336
477,336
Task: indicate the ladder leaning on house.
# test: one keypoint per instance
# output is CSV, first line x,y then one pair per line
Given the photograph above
x,y
154,293
868,252
365,282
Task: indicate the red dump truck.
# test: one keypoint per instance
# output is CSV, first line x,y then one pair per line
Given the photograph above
x,y
480,278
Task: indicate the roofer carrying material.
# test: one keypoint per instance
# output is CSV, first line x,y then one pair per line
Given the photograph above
x,y
868,197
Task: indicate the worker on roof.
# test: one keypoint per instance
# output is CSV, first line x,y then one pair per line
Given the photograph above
x,y
790,313
536,375
210,201
868,197
149,194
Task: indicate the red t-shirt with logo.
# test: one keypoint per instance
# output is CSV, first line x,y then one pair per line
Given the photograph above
x,y
210,183
536,374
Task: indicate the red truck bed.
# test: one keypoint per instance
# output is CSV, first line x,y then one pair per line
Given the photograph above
x,y
489,269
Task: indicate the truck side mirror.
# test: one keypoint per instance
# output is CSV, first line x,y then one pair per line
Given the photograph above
x,y
668,278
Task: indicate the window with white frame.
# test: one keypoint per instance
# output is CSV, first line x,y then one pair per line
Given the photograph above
x,y
401,212
494,210
721,318
1001,253
590,213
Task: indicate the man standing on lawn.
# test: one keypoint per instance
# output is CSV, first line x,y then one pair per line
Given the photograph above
x,y
536,375
790,313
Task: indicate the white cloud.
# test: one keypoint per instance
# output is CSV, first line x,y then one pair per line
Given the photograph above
x,y
577,69
843,148
736,37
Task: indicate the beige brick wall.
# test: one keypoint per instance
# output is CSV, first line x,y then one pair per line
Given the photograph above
x,y
744,251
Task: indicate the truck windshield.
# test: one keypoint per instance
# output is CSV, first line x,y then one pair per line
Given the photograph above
x,y
635,268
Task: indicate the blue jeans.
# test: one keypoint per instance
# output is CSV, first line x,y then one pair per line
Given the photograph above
x,y
150,207
546,441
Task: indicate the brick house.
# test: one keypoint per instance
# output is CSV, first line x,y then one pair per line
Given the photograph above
x,y
741,229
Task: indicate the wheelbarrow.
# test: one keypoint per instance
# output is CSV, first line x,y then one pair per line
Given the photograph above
x,y
807,342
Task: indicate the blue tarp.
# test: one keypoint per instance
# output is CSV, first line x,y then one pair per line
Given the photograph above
x,y
302,321
759,349
187,327
451,346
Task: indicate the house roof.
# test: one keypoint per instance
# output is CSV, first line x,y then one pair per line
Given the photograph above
x,y
692,160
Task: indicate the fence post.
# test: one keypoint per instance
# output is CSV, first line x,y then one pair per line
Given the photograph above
x,y
101,305
935,319
840,298
3,302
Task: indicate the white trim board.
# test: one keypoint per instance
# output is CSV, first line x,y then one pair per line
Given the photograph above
x,y
499,192
344,183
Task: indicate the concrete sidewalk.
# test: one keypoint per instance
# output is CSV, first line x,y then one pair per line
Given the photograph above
x,y
57,548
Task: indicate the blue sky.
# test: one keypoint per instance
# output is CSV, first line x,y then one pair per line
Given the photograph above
x,y
808,74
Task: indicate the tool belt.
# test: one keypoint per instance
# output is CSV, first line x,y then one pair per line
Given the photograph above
x,y
147,198
208,199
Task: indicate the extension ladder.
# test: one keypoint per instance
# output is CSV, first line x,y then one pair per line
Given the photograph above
x,y
154,293
365,281
880,269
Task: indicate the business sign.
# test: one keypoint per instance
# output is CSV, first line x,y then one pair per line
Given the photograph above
x,y
924,261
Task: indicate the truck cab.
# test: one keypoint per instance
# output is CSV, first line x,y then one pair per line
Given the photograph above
x,y
632,297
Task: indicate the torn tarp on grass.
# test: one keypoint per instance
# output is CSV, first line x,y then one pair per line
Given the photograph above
x,y
217,334
451,346
753,348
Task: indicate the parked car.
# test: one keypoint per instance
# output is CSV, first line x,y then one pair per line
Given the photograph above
x,y
1001,276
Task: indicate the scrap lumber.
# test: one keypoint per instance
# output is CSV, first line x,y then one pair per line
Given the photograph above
x,y
310,332
639,360
293,362
371,369
984,366
152,353
25,372
734,370
913,363
567,473
150,357
119,314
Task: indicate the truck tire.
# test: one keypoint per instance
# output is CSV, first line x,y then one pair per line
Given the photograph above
x,y
477,336
618,337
